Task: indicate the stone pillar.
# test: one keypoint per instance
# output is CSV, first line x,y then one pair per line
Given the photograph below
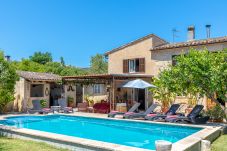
x,y
162,145
205,145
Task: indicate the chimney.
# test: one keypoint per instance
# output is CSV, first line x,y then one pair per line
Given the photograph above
x,y
208,30
191,33
7,58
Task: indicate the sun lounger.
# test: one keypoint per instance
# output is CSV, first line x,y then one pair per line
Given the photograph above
x,y
63,104
192,117
131,115
172,111
37,108
132,109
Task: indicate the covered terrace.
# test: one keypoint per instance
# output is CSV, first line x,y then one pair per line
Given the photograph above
x,y
111,88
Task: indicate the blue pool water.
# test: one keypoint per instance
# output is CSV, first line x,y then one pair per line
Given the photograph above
x,y
136,134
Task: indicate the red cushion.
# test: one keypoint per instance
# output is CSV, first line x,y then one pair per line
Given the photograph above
x,y
101,107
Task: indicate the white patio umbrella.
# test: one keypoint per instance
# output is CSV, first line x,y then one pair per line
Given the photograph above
x,y
138,83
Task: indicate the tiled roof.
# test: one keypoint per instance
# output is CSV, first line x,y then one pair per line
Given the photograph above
x,y
132,43
192,43
38,76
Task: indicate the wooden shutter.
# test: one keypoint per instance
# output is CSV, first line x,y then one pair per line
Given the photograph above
x,y
141,64
125,66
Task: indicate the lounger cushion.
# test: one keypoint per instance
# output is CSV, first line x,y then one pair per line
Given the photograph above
x,y
46,109
172,116
129,113
114,111
151,114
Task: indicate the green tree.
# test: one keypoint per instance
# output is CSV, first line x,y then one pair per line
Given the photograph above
x,y
199,73
58,68
62,61
98,64
162,92
7,82
28,65
72,71
41,58
54,67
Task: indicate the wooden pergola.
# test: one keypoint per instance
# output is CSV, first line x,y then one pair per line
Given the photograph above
x,y
108,79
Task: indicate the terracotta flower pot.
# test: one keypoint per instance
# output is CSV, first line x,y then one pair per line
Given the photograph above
x,y
216,120
164,109
70,103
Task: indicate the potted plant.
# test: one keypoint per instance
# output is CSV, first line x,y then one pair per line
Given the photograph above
x,y
192,101
70,101
164,96
88,100
43,103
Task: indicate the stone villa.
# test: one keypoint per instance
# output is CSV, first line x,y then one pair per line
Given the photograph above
x,y
143,58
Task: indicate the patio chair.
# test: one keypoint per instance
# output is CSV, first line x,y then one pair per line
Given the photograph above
x,y
132,109
37,108
192,117
63,104
172,111
82,107
131,115
181,110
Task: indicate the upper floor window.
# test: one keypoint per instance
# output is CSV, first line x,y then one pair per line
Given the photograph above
x,y
134,65
97,88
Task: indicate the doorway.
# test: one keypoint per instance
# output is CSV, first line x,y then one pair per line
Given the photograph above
x,y
141,99
79,93
55,93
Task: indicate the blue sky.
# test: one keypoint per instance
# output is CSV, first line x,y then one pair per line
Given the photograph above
x,y
78,29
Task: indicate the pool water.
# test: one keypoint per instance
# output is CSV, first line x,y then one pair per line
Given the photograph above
x,y
135,134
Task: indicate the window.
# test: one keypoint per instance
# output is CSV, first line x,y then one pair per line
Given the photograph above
x,y
97,88
134,65
36,90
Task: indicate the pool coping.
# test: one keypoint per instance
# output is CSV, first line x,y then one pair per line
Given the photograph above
x,y
191,142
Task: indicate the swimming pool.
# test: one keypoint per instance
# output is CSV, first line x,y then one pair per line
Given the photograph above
x,y
129,133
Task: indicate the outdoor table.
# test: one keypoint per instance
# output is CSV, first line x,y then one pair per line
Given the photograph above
x,y
121,107
55,108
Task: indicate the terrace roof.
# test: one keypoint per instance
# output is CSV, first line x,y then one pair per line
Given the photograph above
x,y
107,76
38,76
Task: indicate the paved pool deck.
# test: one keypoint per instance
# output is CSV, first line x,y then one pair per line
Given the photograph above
x,y
190,143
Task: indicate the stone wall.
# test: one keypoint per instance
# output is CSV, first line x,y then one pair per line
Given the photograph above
x,y
23,101
161,59
138,50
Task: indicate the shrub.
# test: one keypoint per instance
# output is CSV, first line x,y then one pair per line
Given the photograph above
x,y
43,103
8,79
216,113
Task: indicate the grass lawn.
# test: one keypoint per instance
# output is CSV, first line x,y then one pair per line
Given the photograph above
x,y
9,144
220,144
